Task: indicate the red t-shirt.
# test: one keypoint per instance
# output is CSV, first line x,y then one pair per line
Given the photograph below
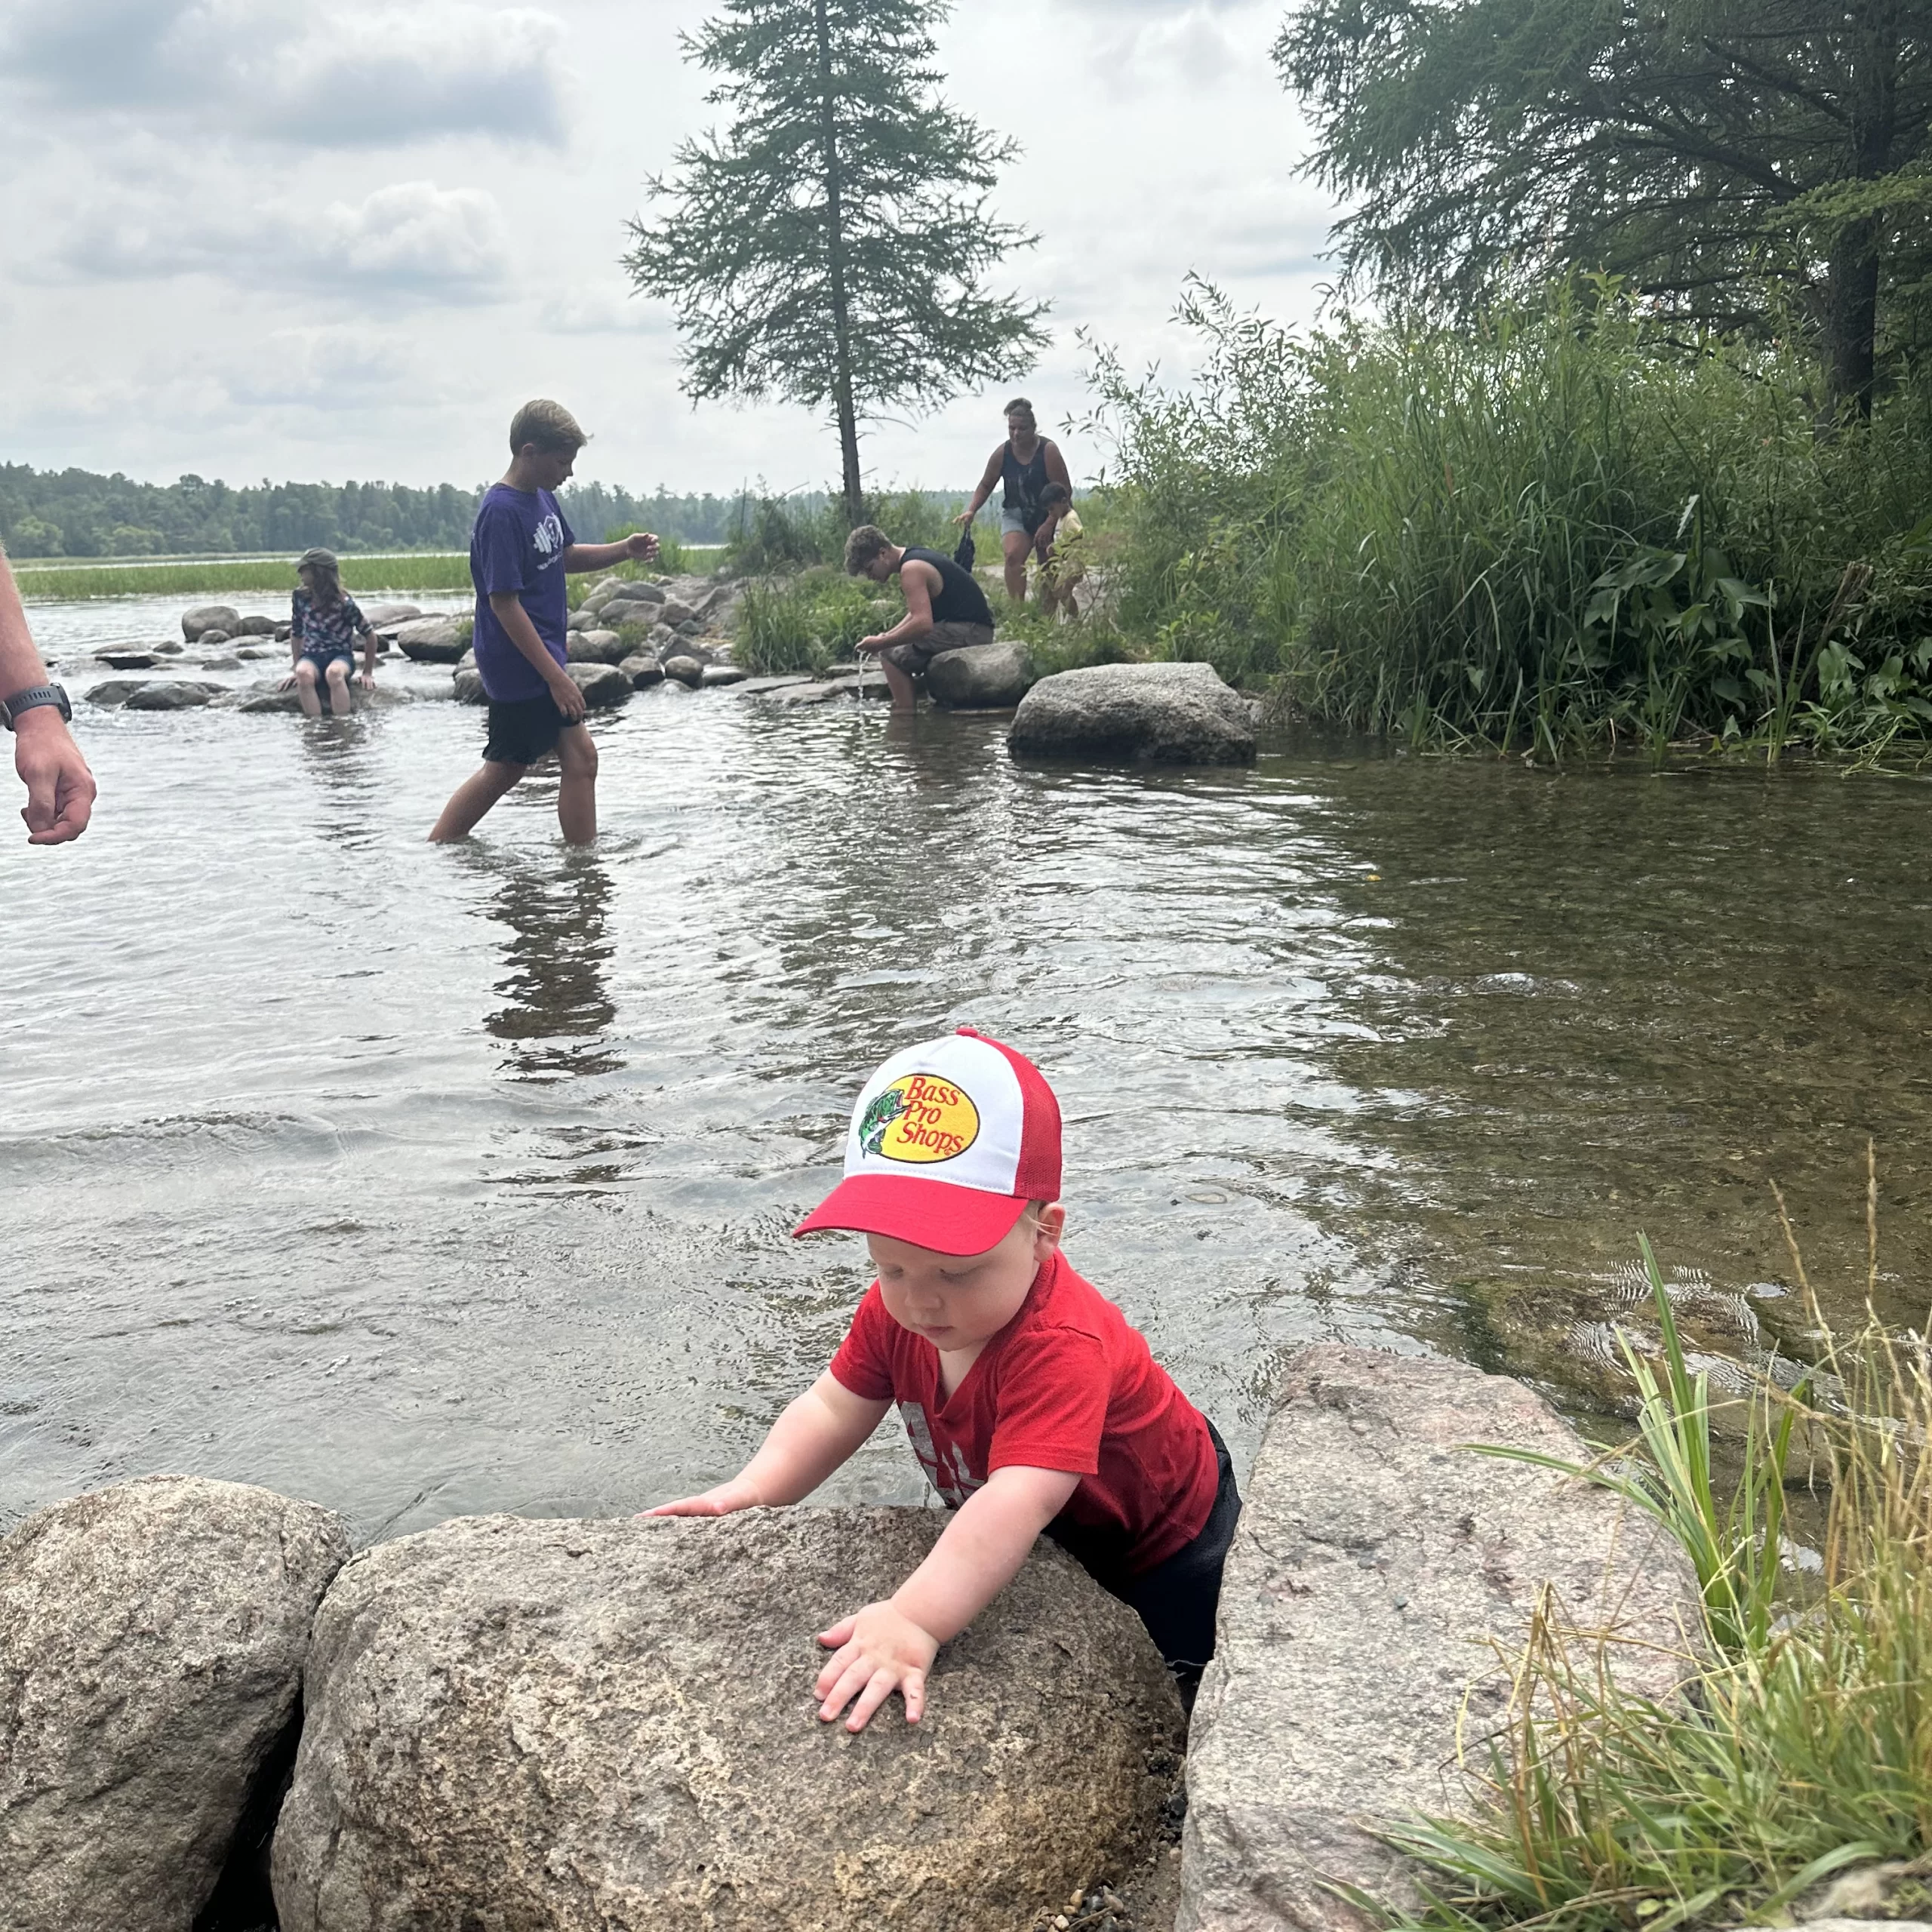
x,y
1066,1385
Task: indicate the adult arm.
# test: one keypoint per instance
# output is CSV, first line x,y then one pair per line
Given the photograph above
x,y
814,1435
918,581
890,1646
639,548
994,464
60,789
521,632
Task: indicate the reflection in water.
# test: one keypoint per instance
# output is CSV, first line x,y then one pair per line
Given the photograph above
x,y
559,1018
429,1180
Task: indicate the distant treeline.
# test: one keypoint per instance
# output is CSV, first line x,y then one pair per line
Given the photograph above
x,y
78,513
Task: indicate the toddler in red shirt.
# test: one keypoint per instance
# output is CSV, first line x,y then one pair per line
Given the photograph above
x,y
1029,1401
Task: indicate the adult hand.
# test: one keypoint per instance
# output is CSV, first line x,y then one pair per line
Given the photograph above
x,y
60,789
641,546
965,516
724,1501
879,1650
876,643
568,700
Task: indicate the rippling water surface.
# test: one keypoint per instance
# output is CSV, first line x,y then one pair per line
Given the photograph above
x,y
423,1181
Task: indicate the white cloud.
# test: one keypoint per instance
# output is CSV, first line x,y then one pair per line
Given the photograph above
x,y
411,238
273,70
601,309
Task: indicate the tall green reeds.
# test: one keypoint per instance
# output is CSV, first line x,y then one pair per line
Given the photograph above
x,y
1559,526
1801,1742
266,576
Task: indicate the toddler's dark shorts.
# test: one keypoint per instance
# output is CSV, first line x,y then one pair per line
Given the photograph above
x,y
1178,1599
523,730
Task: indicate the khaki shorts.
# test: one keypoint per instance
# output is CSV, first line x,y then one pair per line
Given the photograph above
x,y
916,653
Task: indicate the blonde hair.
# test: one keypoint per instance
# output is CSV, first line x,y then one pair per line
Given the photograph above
x,y
547,424
863,547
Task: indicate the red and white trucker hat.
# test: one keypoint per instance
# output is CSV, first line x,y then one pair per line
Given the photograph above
x,y
949,1141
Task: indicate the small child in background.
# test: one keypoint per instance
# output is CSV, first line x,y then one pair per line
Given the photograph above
x,y
1031,1403
323,623
1062,553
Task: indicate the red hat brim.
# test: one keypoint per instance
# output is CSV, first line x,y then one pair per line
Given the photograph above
x,y
940,1215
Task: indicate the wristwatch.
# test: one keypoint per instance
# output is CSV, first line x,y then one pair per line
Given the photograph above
x,y
31,700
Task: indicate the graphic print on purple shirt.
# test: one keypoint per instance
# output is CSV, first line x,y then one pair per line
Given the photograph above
x,y
518,543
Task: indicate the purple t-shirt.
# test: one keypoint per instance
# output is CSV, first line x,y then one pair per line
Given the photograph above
x,y
518,543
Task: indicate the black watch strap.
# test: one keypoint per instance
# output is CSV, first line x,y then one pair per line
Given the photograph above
x,y
31,700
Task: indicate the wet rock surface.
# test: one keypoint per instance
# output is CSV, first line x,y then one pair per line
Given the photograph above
x,y
1376,1555
433,640
1165,714
987,677
603,685
222,618
151,1642
593,1724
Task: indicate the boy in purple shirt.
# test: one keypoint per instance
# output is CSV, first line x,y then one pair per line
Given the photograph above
x,y
520,547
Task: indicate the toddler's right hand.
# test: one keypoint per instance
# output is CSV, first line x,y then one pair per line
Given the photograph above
x,y
722,1501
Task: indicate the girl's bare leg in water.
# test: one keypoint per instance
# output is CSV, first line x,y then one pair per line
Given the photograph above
x,y
304,687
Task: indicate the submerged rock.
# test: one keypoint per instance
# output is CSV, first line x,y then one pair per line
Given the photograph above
x,y
115,691
170,694
386,616
643,670
152,1642
980,676
222,618
717,674
685,669
1166,714
1376,1555
255,627
129,660
467,685
582,1725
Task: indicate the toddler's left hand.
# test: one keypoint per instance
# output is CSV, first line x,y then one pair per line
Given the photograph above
x,y
879,1650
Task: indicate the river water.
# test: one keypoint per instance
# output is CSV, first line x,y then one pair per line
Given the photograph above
x,y
426,1181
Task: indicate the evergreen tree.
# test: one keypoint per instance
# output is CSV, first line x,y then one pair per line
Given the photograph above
x,y
829,247
1710,150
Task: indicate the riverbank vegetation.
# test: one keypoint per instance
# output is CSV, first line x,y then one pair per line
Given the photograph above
x,y
1802,1742
1562,523
266,576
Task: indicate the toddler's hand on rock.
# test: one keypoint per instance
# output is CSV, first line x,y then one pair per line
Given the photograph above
x,y
722,1501
879,1650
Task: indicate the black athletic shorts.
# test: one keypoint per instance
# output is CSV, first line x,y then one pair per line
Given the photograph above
x,y
523,730
1178,1599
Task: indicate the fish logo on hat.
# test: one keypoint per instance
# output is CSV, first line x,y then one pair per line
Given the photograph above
x,y
919,1118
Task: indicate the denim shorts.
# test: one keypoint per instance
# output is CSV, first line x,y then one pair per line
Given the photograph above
x,y
1012,524
322,659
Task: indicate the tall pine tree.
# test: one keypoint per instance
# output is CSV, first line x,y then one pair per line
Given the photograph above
x,y
828,247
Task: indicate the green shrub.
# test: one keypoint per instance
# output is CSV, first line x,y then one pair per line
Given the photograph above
x,y
806,622
775,536
1563,526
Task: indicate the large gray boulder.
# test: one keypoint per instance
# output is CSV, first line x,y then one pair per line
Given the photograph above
x,y
433,640
151,1642
686,668
115,691
603,685
581,1725
222,618
597,647
633,592
254,626
643,670
1377,1556
1164,714
980,677
467,685
386,616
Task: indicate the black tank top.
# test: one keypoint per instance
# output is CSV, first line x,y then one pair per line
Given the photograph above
x,y
960,600
1024,482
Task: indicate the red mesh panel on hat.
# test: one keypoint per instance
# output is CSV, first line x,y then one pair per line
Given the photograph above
x,y
1037,1177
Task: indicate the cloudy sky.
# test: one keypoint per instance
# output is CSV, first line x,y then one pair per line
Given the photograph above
x,y
255,238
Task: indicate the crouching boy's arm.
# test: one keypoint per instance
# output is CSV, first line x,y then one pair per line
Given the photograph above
x,y
890,1646
816,1434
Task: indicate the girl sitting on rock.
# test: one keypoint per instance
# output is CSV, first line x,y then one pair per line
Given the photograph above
x,y
324,623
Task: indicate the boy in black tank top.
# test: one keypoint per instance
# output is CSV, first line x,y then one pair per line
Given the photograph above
x,y
946,609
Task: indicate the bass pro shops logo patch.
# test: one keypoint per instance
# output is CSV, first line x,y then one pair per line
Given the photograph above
x,y
919,1119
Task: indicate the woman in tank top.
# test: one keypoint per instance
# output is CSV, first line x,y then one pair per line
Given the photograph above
x,y
1026,463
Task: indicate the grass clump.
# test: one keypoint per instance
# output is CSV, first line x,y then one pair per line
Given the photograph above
x,y
805,623
775,536
1563,526
1803,1742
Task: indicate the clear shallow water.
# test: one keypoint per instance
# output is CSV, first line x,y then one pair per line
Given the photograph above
x,y
426,1181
